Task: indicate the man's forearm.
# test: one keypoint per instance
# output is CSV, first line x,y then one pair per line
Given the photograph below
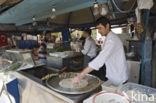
x,y
83,52
86,71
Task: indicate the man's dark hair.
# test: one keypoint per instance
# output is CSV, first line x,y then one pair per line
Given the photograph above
x,y
102,20
88,31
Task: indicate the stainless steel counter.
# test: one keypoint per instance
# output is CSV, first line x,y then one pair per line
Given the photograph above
x,y
35,75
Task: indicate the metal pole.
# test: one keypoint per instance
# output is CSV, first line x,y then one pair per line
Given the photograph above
x,y
143,47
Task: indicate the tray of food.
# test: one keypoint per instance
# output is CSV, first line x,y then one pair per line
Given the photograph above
x,y
63,83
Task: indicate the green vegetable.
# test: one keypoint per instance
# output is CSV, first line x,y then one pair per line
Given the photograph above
x,y
14,66
62,49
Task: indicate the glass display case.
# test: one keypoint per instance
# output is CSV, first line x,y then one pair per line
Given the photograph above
x,y
17,58
24,56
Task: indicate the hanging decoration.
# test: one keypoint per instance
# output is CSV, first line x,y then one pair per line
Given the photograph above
x,y
96,8
34,21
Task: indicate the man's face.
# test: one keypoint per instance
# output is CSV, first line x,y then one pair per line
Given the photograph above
x,y
85,34
103,30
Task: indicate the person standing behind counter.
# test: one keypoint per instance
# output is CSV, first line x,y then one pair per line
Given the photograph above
x,y
112,55
75,45
42,52
89,49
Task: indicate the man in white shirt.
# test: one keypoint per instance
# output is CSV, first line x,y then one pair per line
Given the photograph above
x,y
89,50
112,55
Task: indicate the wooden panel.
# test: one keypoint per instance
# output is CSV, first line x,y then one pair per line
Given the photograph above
x,y
7,27
2,1
11,2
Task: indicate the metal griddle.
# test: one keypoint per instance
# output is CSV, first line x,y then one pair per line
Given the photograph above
x,y
53,83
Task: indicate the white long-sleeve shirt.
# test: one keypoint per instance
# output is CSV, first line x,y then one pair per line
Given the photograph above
x,y
113,56
89,47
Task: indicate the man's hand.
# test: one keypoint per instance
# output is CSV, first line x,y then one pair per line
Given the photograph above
x,y
77,79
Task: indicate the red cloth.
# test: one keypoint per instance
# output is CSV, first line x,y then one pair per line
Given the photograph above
x,y
3,40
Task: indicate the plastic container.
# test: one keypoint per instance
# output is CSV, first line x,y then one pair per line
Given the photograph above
x,y
138,93
106,86
58,54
